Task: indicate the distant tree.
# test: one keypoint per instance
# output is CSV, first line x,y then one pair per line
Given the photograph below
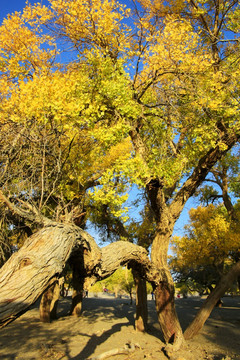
x,y
205,253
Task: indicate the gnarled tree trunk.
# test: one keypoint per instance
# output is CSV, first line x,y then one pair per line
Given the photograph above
x,y
28,273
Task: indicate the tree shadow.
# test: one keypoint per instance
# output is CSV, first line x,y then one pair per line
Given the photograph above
x,y
96,340
30,336
222,327
27,335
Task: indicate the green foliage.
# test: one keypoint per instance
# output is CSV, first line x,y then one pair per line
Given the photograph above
x,y
120,282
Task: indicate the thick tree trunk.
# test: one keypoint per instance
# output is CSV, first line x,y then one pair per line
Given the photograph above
x,y
207,307
77,283
55,298
141,303
45,304
167,316
27,274
164,291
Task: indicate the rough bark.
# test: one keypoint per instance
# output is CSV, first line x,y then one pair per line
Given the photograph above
x,y
45,304
77,283
164,292
141,303
27,274
121,253
168,319
55,298
207,307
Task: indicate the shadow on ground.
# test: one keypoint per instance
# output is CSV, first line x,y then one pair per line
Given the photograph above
x,y
108,322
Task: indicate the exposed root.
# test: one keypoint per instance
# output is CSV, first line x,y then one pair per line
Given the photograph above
x,y
128,348
170,350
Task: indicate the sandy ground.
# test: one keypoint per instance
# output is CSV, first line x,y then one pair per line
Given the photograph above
x,y
108,323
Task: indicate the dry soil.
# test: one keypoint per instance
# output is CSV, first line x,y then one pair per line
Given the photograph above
x,y
108,323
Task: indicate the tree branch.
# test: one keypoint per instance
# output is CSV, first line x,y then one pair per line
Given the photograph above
x,y
200,172
33,215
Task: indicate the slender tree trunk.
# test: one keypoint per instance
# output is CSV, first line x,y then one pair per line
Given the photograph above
x,y
207,307
77,297
141,302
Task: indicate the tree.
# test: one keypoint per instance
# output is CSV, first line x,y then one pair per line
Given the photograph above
x,y
210,234
166,88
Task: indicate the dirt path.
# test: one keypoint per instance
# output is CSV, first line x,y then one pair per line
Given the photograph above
x,y
107,323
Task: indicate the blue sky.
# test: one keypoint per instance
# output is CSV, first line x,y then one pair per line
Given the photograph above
x,y
10,6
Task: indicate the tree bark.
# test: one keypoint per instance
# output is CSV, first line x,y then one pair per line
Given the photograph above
x,y
207,307
45,304
77,283
164,291
167,316
76,308
27,274
141,303
55,298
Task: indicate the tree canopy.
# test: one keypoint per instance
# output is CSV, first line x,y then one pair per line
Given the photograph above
x,y
214,238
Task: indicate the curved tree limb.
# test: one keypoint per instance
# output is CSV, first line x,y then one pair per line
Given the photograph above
x,y
28,272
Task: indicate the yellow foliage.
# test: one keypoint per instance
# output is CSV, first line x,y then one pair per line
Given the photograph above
x,y
150,71
210,240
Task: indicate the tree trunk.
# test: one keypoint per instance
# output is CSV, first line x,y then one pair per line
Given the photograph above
x,y
207,307
167,316
55,298
141,302
76,308
27,274
45,303
77,283
164,291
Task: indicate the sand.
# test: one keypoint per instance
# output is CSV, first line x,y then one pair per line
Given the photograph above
x,y
108,323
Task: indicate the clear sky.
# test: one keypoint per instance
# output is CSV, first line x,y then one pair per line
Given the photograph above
x,y
10,6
